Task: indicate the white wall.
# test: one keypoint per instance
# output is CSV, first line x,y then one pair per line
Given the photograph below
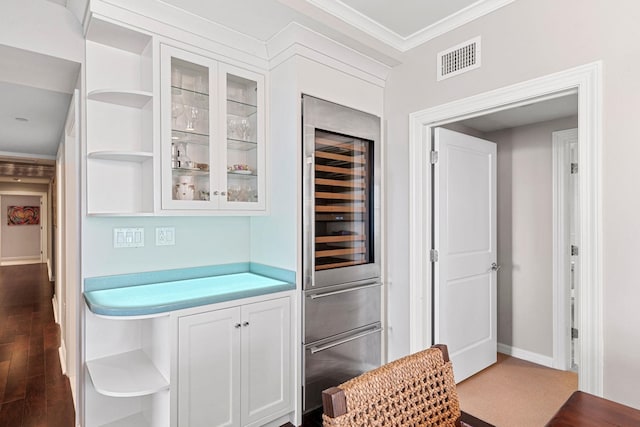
x,y
19,241
524,40
525,235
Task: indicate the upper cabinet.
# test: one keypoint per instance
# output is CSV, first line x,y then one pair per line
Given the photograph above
x,y
119,100
212,134
170,132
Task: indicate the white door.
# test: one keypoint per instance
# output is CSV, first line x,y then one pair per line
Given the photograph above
x,y
209,369
266,359
465,238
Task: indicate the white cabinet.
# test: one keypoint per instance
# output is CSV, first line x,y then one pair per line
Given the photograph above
x,y
233,365
120,154
212,134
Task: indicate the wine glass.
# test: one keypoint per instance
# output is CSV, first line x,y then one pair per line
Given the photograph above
x,y
192,119
177,108
244,128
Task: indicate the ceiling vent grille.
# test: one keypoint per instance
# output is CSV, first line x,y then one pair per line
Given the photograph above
x,y
459,59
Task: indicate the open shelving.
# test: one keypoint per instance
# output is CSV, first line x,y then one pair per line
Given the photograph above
x,y
119,147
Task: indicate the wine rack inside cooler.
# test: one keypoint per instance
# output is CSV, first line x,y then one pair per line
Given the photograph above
x,y
343,200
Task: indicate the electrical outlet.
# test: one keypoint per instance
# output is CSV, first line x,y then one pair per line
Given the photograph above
x,y
128,237
165,236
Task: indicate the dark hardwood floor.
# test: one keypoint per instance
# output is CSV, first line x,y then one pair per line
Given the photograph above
x,y
33,390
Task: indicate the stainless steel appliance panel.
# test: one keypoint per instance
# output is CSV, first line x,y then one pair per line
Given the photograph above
x,y
332,310
328,363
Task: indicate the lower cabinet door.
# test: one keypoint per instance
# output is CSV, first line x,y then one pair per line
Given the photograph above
x,y
266,360
209,369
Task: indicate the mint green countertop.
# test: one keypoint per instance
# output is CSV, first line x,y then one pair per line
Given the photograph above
x,y
152,298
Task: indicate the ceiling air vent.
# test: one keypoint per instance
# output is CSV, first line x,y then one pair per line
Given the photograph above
x,y
459,59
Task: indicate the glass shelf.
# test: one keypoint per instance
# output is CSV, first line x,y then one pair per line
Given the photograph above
x,y
241,145
190,171
241,175
183,136
242,109
175,90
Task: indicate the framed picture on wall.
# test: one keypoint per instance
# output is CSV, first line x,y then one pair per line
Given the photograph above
x,y
23,215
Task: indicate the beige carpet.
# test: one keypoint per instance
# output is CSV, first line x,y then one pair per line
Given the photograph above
x,y
515,393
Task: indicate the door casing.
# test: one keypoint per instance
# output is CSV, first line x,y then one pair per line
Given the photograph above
x,y
586,81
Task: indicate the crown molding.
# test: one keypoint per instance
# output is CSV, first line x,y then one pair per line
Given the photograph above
x,y
296,39
393,39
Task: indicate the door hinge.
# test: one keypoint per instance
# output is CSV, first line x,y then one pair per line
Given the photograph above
x,y
434,157
574,250
574,333
574,168
433,255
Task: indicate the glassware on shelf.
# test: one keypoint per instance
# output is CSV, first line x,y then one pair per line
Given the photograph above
x,y
244,129
183,160
185,188
177,108
192,119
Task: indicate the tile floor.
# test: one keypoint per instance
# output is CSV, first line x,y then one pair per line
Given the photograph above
x,y
33,390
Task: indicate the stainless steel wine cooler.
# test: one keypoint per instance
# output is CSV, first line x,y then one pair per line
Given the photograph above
x,y
342,287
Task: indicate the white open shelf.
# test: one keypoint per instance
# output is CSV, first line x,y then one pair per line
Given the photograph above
x,y
135,420
126,375
127,98
126,156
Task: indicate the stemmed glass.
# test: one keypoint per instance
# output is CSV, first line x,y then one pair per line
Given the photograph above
x,y
244,129
177,108
192,119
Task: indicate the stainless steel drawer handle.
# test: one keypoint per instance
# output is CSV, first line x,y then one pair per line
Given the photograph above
x,y
318,349
342,291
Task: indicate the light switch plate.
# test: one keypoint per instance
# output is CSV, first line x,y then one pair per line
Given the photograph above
x,y
165,236
128,237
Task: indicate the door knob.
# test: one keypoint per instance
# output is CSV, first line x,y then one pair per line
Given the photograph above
x,y
495,267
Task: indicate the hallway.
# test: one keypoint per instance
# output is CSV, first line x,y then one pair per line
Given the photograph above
x,y
33,390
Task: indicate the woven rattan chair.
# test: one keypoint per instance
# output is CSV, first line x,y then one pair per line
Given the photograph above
x,y
416,390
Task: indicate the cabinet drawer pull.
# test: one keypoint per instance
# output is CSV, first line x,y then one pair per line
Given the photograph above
x,y
215,193
245,324
237,325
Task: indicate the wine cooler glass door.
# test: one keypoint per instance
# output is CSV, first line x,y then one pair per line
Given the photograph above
x,y
342,201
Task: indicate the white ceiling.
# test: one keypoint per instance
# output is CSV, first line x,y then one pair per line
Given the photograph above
x,y
406,17
377,24
565,106
45,112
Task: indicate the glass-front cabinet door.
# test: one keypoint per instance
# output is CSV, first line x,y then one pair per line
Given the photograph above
x,y
212,134
244,147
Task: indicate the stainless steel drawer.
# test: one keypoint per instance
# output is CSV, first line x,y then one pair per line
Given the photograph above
x,y
338,309
329,363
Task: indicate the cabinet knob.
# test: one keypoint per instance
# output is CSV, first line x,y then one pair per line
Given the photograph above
x,y
215,193
245,324
223,193
237,325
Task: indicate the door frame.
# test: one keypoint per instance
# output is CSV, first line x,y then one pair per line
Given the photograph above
x,y
44,228
561,258
586,81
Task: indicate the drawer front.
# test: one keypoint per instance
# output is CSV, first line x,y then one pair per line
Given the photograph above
x,y
335,310
330,363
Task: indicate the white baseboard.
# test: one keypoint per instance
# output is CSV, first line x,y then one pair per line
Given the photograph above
x,y
62,352
527,355
54,303
20,261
